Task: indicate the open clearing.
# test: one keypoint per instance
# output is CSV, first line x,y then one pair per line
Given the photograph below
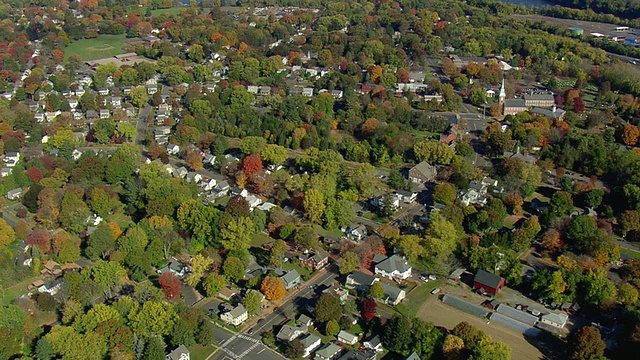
x,y
102,46
435,311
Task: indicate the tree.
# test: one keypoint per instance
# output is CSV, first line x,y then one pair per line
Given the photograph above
x,y
273,288
331,328
199,266
153,319
444,193
597,287
274,154
327,308
233,269
153,349
314,205
295,349
629,221
252,144
108,275
213,283
452,347
182,334
630,134
276,253
101,241
593,198
348,263
123,163
252,301
369,306
411,246
376,291
434,152
397,335
7,235
170,285
478,96
237,234
581,228
206,334
586,343
252,164
561,203
627,294
196,53
39,237
427,338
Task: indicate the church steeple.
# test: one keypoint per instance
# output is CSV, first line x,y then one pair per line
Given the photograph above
x,y
503,94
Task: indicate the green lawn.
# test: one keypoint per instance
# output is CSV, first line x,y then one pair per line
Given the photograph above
x,y
630,252
101,47
304,271
323,232
13,292
123,220
416,297
199,352
257,240
169,11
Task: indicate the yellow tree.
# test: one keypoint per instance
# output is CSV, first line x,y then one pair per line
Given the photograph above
x,y
272,288
630,134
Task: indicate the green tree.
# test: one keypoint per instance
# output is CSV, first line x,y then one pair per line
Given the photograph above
x,y
103,130
586,343
154,318
376,291
196,53
327,308
252,144
199,266
139,96
478,96
154,350
237,234
314,205
213,283
331,328
561,203
182,334
593,198
108,275
252,301
276,253
7,235
127,129
434,152
627,294
412,247
444,193
397,335
130,77
597,287
206,334
233,269
348,263
123,163
427,339
274,154
101,242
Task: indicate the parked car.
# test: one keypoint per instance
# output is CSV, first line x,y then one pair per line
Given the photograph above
x,y
423,278
432,277
435,291
535,312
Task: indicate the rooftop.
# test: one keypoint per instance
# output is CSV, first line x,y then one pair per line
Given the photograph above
x,y
487,278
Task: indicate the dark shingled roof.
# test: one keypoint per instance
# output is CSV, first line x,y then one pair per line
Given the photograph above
x,y
488,279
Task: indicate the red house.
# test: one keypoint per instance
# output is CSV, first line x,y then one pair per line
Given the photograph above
x,y
488,282
316,261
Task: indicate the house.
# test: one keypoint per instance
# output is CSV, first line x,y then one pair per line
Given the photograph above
x,y
392,295
227,293
73,103
51,287
307,91
407,197
176,267
556,320
375,344
14,194
51,268
337,94
360,281
11,158
152,89
104,114
267,206
310,343
180,172
265,90
347,338
489,282
5,171
208,184
327,352
413,356
222,188
150,40
364,354
394,268
472,196
116,101
289,333
253,201
290,279
423,172
173,149
338,292
252,89
236,316
317,261
357,232
180,353
380,202
236,191
304,320
193,176
103,91
209,159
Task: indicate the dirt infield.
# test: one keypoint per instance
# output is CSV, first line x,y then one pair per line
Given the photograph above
x,y
106,48
435,311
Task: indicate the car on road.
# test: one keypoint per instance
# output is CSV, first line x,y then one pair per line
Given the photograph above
x,y
535,312
435,291
251,331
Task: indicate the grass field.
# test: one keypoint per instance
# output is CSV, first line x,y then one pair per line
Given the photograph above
x,y
630,252
199,352
100,47
416,297
170,11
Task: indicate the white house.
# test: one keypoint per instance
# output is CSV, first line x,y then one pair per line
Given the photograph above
x,y
406,197
357,232
173,149
208,184
5,171
310,343
557,320
180,353
327,352
308,92
253,201
289,333
193,176
176,267
11,158
14,194
375,343
347,338
394,268
236,316
252,89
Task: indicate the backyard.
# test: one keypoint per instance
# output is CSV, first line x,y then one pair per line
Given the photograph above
x,y
102,46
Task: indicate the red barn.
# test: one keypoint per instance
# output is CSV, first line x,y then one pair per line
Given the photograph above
x,y
488,282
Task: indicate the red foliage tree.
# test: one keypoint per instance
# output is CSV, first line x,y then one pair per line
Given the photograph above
x,y
170,285
35,174
40,237
369,309
578,104
252,164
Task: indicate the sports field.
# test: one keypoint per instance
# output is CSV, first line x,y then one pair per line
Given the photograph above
x,y
101,47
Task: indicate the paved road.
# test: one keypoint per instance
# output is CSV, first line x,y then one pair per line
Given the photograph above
x,y
306,293
241,346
